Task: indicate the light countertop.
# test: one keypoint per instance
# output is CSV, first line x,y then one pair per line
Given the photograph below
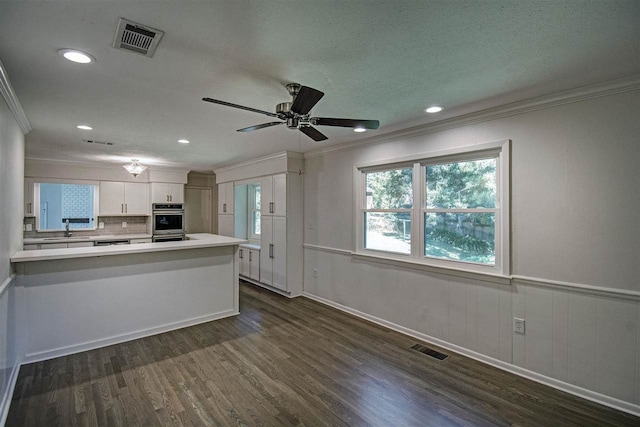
x,y
197,240
43,240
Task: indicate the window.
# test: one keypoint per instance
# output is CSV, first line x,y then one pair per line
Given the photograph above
x,y
449,210
254,211
57,203
387,217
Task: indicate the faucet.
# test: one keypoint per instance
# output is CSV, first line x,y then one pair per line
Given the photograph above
x,y
67,232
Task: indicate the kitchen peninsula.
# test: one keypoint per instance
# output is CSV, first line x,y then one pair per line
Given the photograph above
x,y
77,299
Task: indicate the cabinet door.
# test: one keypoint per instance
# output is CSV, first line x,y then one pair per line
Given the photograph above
x,y
176,193
28,197
279,253
266,196
225,198
254,271
245,267
159,192
226,226
279,197
136,198
80,244
111,198
266,249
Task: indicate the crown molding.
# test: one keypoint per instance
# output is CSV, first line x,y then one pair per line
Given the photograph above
x,y
282,154
584,93
12,101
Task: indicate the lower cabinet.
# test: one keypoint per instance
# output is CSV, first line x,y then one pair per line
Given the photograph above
x,y
273,256
62,245
250,263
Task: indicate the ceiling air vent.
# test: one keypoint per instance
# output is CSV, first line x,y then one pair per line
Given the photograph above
x,y
137,38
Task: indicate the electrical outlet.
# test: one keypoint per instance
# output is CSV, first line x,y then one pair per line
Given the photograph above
x,y
124,224
101,225
29,227
315,272
518,325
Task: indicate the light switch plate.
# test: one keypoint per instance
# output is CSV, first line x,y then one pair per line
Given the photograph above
x,y
518,325
101,225
124,224
29,227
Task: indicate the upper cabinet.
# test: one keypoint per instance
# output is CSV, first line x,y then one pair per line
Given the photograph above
x,y
164,192
225,198
273,191
124,198
28,197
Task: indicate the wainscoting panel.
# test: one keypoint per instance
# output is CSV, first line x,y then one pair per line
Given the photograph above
x,y
584,337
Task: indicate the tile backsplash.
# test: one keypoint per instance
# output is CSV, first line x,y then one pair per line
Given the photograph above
x,y
112,226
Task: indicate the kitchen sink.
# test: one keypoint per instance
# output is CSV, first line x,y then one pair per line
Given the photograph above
x,y
66,238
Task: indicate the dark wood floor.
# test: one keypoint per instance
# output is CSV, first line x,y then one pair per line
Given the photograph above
x,y
286,362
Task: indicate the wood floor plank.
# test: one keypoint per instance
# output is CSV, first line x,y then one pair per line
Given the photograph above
x,y
286,362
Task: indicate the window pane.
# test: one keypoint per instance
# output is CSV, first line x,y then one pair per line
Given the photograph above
x,y
460,237
256,222
256,195
388,231
390,189
59,202
462,185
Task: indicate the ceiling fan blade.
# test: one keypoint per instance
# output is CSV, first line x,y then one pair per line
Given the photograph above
x,y
345,123
262,126
229,104
305,100
313,133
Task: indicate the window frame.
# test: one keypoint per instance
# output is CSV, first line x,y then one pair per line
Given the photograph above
x,y
499,150
251,210
36,202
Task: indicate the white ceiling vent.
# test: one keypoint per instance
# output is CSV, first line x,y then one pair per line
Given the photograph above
x,y
137,38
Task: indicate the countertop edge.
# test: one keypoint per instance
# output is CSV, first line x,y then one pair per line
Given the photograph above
x,y
196,241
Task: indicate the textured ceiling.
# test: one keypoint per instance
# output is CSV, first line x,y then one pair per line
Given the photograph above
x,y
384,60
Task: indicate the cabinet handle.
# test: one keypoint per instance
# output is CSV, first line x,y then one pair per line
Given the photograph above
x,y
250,257
170,198
272,207
121,207
126,208
241,257
29,207
270,250
224,207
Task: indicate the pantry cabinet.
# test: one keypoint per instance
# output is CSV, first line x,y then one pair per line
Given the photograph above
x,y
166,192
273,193
123,198
225,198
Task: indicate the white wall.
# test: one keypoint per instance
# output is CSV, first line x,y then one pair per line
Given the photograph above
x,y
11,199
575,249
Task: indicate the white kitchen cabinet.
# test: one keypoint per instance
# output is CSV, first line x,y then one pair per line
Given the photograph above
x,y
225,198
226,225
273,193
123,198
273,256
79,244
166,192
29,206
250,263
56,245
30,247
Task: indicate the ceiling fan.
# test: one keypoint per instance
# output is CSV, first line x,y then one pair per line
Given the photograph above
x,y
295,114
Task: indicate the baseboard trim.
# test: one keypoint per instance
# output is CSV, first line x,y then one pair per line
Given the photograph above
x,y
534,376
267,287
104,342
5,404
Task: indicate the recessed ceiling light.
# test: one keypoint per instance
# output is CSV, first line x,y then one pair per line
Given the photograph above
x,y
359,129
84,127
183,141
434,109
76,56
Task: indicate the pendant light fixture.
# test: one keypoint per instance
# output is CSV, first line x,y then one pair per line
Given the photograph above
x,y
135,168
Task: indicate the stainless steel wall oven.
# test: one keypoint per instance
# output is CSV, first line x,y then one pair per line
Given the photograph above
x,y
168,221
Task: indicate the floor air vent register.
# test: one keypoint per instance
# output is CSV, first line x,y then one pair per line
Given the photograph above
x,y
430,352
